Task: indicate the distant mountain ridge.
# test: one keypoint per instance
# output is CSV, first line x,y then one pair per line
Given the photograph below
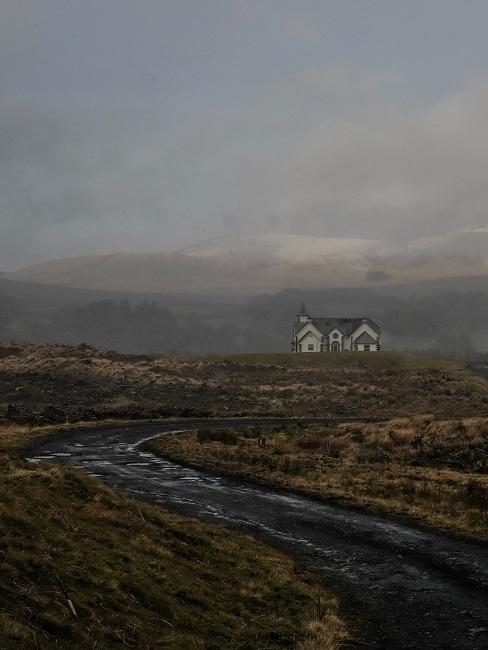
x,y
245,265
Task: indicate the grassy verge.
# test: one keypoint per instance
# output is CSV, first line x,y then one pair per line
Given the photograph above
x,y
83,566
14,438
434,471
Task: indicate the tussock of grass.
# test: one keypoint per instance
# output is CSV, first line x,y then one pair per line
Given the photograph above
x,y
322,634
83,566
435,471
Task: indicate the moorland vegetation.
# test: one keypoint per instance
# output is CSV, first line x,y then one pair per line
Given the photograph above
x,y
83,566
57,383
70,570
433,470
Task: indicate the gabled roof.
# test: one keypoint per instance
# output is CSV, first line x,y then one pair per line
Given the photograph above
x,y
365,338
346,326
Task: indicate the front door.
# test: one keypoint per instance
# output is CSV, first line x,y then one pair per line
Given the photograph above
x,y
335,346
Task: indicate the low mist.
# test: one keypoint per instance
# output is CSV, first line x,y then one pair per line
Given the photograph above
x,y
177,177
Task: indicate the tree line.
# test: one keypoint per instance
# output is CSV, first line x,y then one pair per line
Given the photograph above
x,y
447,322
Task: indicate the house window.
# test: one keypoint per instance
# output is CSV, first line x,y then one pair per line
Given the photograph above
x,y
310,347
366,348
335,335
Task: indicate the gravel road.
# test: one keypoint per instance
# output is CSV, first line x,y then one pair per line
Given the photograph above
x,y
414,587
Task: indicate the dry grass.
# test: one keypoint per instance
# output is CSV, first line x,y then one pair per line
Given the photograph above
x,y
392,360
55,383
15,438
139,577
82,566
325,634
435,471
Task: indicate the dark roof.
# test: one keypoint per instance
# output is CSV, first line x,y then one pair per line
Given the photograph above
x,y
345,325
365,338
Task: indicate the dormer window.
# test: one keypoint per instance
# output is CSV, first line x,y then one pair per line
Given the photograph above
x,y
335,335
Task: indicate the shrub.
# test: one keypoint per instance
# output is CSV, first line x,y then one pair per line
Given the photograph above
x,y
408,490
289,465
311,443
253,432
225,436
476,496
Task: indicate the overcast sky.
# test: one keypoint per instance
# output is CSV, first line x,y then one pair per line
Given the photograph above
x,y
150,125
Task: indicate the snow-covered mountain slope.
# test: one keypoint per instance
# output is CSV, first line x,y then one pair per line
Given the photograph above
x,y
260,263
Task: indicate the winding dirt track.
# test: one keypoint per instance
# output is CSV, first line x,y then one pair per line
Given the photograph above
x,y
415,588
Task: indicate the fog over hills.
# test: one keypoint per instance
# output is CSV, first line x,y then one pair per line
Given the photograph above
x,y
240,294
247,265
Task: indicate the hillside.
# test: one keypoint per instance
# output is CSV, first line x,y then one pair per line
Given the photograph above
x,y
83,566
35,297
55,383
272,262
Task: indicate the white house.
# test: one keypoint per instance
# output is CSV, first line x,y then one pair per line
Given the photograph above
x,y
334,334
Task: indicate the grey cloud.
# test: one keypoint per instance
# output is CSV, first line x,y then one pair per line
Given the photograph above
x,y
329,152
150,125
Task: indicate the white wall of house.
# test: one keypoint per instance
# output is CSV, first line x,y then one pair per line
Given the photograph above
x,y
364,327
366,348
335,338
310,343
310,339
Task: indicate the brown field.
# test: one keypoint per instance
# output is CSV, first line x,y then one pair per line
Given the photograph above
x,y
55,383
434,471
72,576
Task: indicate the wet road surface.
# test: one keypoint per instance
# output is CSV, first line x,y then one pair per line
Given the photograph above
x,y
416,588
